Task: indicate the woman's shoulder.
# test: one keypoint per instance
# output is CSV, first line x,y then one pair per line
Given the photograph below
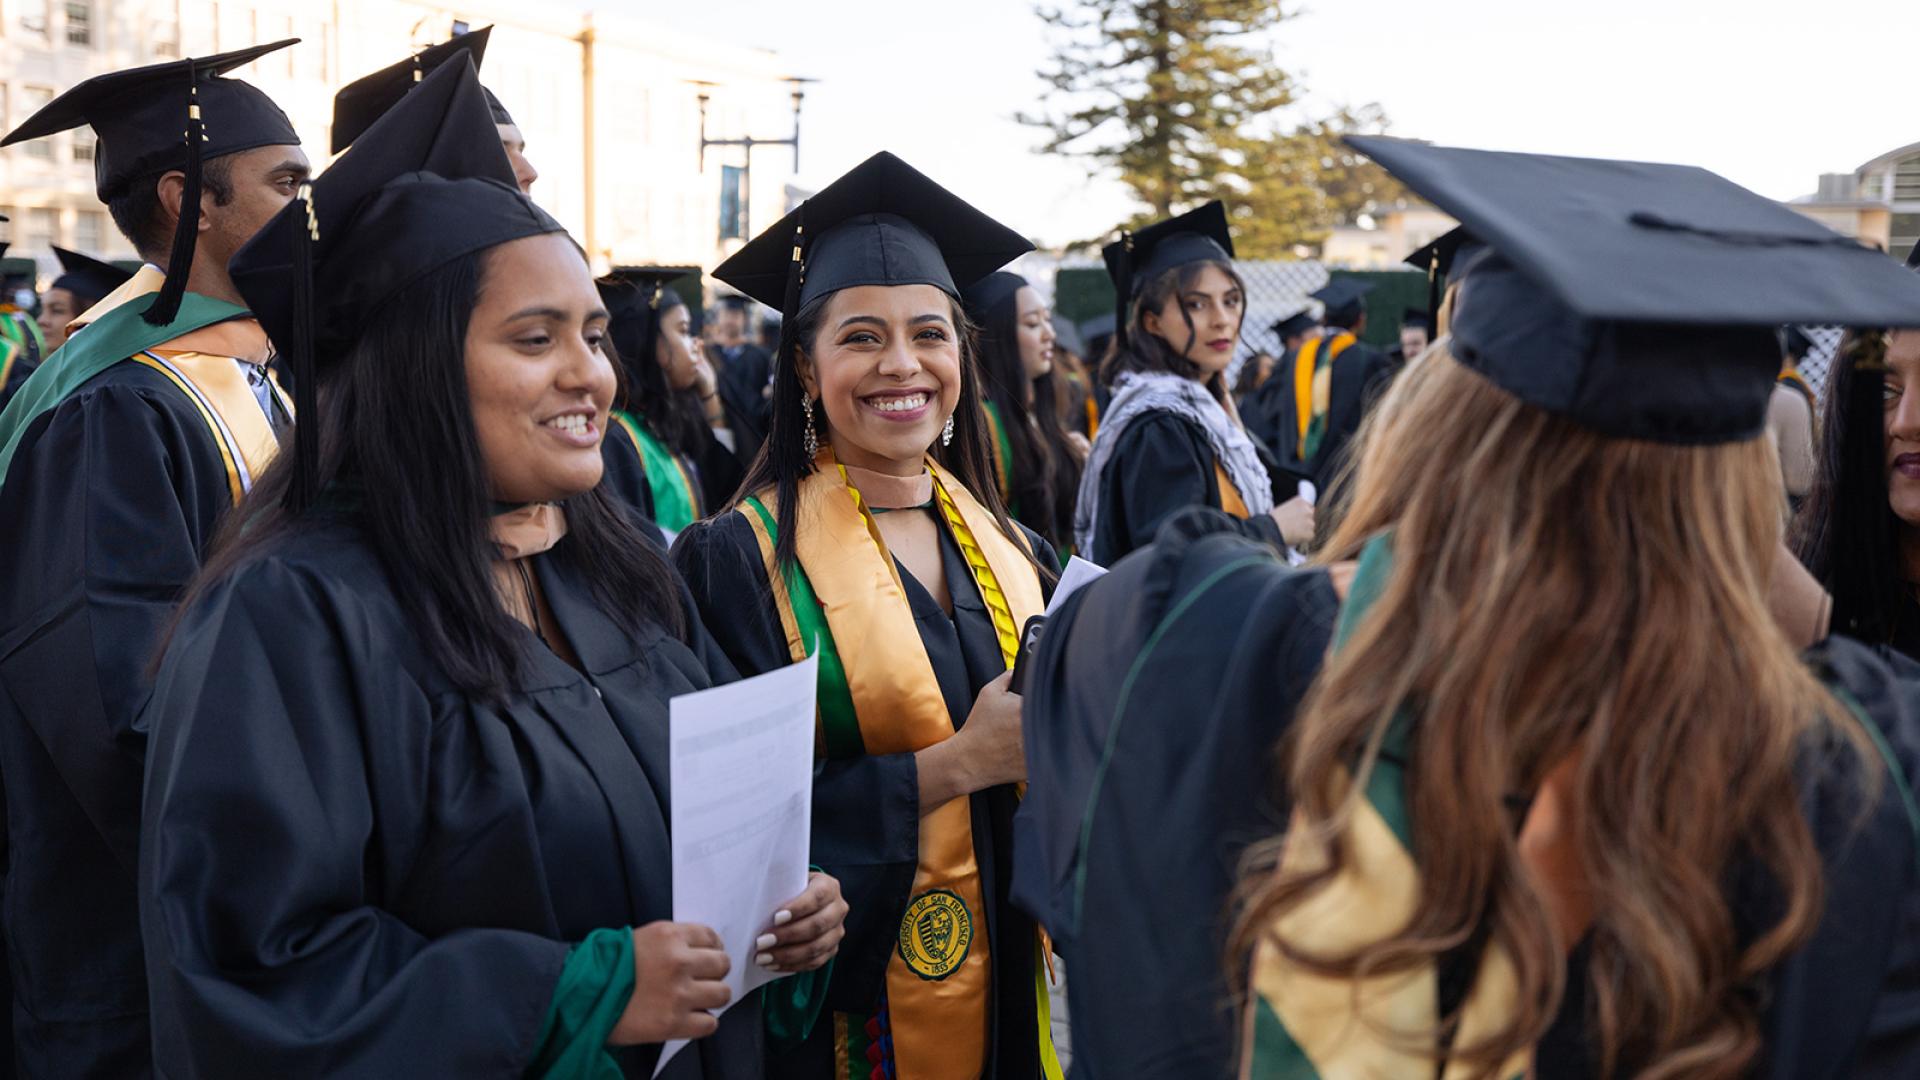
x,y
724,535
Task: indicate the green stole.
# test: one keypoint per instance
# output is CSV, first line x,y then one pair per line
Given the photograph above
x,y
1002,457
114,337
676,500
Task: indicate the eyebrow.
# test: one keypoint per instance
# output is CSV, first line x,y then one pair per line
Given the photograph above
x,y
296,168
548,312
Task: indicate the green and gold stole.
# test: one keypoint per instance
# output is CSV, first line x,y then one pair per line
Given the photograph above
x,y
879,695
1313,388
196,353
676,498
1301,1025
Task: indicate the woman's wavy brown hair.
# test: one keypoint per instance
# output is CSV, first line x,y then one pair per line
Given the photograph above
x,y
1554,594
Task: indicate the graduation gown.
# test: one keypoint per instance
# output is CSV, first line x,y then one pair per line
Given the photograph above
x,y
350,868
108,502
1162,465
1179,802
716,472
866,810
1359,375
743,384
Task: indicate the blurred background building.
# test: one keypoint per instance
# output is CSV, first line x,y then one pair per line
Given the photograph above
x,y
611,107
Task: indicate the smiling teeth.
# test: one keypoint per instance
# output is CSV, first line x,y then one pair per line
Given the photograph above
x,y
901,404
573,424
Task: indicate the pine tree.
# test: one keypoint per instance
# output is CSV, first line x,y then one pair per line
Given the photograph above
x,y
1181,100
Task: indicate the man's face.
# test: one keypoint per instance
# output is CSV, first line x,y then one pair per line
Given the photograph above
x,y
264,180
515,144
731,326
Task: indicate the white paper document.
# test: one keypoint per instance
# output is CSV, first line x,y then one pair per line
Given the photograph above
x,y
1078,575
741,773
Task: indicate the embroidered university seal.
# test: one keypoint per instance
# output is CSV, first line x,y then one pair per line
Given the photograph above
x,y
936,934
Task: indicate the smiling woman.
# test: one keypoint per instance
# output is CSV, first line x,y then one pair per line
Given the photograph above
x,y
874,522
409,732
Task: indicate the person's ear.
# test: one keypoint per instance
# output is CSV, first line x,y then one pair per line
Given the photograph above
x,y
1150,322
803,367
170,188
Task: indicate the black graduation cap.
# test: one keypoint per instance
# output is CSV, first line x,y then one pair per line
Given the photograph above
x,y
1342,296
883,223
1137,258
427,184
1913,257
85,276
500,114
1436,259
162,117
360,102
1638,299
635,297
1299,322
1420,317
990,292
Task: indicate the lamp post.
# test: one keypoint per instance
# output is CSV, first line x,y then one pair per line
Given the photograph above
x,y
749,142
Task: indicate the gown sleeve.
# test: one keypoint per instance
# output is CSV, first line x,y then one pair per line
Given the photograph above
x,y
291,755
1162,466
866,810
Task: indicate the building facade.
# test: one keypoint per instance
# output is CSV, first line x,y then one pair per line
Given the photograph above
x,y
1877,203
610,105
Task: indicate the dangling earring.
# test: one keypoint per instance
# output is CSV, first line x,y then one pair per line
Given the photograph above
x,y
809,441
946,433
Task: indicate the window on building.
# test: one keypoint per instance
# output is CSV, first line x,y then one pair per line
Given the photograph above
x,y
83,144
1906,180
165,31
42,229
80,22
89,231
1904,231
32,99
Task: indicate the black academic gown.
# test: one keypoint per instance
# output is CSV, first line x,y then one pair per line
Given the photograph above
x,y
351,868
743,393
108,503
1163,464
1360,375
866,811
716,470
1138,913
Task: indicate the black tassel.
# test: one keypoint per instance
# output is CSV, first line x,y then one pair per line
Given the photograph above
x,y
1433,293
297,356
166,304
1123,290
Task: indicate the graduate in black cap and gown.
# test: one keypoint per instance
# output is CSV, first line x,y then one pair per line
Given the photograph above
x,y
664,454
873,536
1333,378
83,282
21,344
1547,646
1416,333
407,809
1170,436
1268,410
117,458
359,103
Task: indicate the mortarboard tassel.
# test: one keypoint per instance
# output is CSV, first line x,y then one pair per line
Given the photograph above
x,y
790,300
166,304
298,354
1122,290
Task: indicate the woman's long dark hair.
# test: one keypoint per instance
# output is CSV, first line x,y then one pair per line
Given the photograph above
x,y
783,462
1146,351
1846,533
1043,476
676,417
399,454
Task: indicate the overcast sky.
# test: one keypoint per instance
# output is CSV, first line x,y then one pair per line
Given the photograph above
x,y
1766,92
